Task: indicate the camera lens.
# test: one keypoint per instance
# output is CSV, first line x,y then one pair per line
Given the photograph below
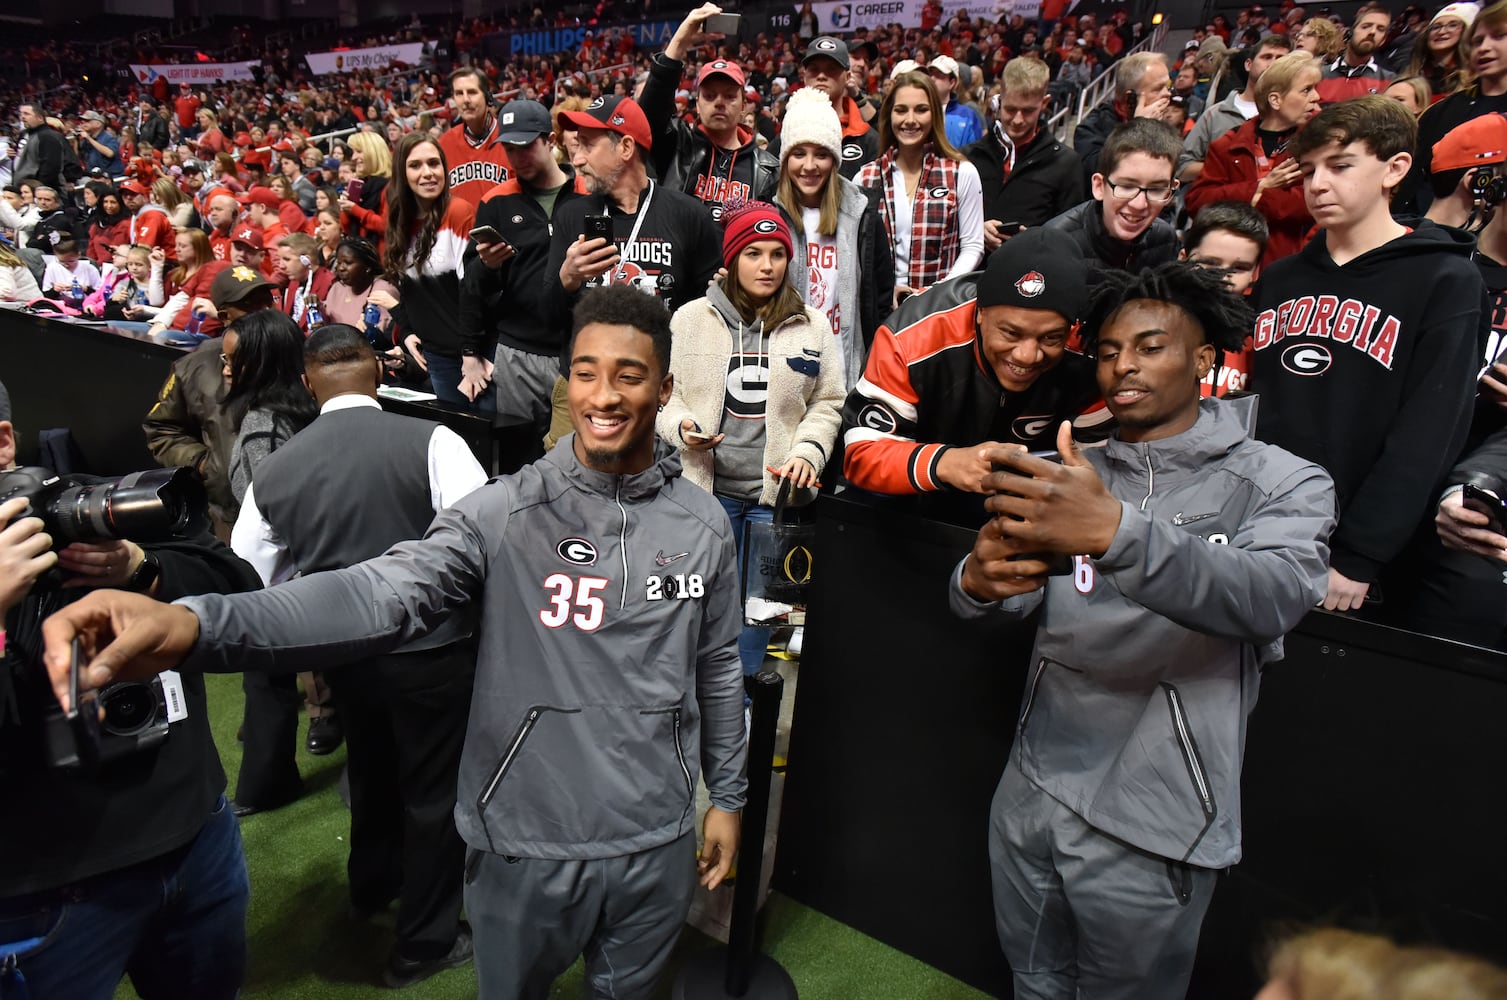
x,y
150,506
129,708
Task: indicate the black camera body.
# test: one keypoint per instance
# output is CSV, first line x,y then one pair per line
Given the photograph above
x,y
152,506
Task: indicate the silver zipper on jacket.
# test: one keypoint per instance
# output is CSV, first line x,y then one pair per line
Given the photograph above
x,y
1025,712
622,541
1190,752
690,789
507,758
1150,478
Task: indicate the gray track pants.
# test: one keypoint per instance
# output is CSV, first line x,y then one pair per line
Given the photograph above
x,y
531,918
1083,916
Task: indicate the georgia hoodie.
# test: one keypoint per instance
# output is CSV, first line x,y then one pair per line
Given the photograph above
x,y
1368,369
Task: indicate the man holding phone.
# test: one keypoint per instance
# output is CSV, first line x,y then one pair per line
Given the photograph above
x,y
1195,550
1027,176
664,243
510,274
719,160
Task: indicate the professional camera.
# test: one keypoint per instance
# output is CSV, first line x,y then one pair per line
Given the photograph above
x,y
152,506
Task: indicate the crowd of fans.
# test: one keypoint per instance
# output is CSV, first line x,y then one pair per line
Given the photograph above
x,y
865,208
939,156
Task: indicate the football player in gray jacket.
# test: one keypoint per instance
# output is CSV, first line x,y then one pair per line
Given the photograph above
x,y
606,587
1194,550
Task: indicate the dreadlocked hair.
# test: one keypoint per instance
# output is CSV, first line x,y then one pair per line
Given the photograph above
x,y
1224,317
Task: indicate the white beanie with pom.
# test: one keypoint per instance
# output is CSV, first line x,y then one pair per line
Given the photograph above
x,y
809,118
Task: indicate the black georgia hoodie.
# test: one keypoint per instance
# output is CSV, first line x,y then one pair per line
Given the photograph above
x,y
1369,370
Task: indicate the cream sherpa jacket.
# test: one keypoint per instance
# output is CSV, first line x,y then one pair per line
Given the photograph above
x,y
806,391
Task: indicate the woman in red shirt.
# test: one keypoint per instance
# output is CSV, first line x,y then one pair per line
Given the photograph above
x,y
288,210
189,281
1250,164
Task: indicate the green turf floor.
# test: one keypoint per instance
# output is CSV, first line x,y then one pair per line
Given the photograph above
x,y
304,946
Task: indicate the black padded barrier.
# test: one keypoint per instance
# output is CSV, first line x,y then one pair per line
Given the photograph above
x,y
100,382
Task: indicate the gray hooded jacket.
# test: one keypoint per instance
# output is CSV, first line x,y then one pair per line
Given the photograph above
x,y
1147,659
609,625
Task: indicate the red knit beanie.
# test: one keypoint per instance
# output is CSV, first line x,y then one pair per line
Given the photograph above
x,y
751,222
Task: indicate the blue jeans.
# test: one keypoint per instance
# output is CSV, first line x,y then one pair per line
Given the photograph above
x,y
176,924
444,372
754,639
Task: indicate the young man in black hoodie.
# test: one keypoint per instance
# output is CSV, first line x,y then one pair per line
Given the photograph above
x,y
1367,341
1121,228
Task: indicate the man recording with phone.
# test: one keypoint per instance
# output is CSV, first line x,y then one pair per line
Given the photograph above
x,y
1143,89
719,160
1194,549
163,897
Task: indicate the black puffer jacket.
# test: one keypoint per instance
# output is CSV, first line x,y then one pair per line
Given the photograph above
x,y
1085,224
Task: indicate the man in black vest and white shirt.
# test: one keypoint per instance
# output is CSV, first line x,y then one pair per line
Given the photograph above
x,y
348,487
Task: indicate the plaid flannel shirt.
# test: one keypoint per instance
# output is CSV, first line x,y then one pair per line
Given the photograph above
x,y
935,239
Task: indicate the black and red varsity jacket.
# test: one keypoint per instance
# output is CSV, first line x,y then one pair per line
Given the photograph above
x,y
926,388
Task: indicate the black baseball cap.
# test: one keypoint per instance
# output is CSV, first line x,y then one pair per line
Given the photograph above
x,y
827,47
521,122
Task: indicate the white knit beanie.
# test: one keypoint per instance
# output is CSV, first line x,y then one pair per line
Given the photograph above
x,y
809,118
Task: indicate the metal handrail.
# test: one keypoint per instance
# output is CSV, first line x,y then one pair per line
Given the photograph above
x,y
1100,86
1056,122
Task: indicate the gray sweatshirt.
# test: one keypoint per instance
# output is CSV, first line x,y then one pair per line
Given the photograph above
x,y
609,625
1147,659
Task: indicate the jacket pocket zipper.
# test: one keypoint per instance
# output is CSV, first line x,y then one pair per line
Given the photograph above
x,y
503,765
1189,750
1025,712
685,771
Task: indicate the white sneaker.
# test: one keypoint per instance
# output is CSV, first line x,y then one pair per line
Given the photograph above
x,y
793,647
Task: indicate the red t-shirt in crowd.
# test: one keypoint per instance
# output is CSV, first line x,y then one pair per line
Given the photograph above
x,y
186,108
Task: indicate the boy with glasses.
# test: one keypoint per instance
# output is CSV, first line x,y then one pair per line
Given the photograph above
x,y
1121,227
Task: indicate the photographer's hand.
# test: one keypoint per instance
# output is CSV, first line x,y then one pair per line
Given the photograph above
x,y
25,553
99,564
124,637
1055,508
